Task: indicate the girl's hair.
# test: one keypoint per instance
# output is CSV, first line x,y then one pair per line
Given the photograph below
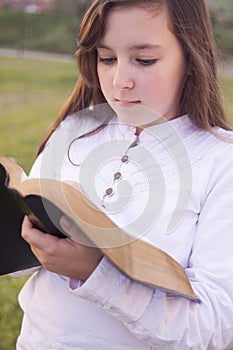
x,y
190,23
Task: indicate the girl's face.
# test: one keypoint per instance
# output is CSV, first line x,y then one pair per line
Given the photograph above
x,y
140,62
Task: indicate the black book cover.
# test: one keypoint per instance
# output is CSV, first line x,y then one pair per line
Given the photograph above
x,y
15,253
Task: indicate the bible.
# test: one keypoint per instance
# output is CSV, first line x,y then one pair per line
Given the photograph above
x,y
45,201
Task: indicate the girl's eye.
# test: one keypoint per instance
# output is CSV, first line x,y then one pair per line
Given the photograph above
x,y
146,62
107,60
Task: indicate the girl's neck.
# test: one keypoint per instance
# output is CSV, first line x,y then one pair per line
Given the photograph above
x,y
139,129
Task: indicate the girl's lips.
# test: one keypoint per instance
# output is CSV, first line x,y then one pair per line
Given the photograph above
x,y
127,103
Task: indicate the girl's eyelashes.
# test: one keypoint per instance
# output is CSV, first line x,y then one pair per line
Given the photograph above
x,y
106,60
141,61
146,62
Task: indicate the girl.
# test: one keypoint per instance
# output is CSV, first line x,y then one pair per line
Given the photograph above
x,y
168,178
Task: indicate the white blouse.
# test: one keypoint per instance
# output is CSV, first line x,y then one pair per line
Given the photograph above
x,y
173,185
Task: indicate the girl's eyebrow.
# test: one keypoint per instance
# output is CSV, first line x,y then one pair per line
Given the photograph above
x,y
144,47
133,48
101,46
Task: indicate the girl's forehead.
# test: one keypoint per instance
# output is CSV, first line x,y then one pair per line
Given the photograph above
x,y
136,26
135,12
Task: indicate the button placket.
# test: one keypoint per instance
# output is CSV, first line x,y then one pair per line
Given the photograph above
x,y
118,175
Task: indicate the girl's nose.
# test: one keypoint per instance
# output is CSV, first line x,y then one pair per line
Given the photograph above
x,y
123,78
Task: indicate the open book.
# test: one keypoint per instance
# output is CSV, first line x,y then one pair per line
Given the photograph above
x,y
44,201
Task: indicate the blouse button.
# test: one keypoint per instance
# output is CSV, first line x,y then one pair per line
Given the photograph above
x,y
109,192
125,158
117,176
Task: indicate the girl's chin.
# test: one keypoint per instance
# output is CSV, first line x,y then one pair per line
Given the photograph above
x,y
136,115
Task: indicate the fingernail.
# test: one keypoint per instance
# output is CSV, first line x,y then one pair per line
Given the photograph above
x,y
65,223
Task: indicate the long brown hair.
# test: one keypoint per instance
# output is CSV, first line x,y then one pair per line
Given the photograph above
x,y
190,23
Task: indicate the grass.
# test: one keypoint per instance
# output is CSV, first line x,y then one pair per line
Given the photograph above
x,y
227,88
31,92
10,313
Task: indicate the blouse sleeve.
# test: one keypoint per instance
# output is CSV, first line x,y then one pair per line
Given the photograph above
x,y
170,322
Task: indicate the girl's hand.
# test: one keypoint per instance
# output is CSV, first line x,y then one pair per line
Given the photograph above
x,y
62,256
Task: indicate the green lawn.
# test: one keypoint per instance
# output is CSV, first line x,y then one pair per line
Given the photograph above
x,y
227,87
31,93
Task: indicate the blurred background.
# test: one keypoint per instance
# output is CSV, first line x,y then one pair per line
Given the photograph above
x,y
40,25
37,74
50,25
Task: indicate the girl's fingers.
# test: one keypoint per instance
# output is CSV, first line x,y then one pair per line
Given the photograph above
x,y
34,237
